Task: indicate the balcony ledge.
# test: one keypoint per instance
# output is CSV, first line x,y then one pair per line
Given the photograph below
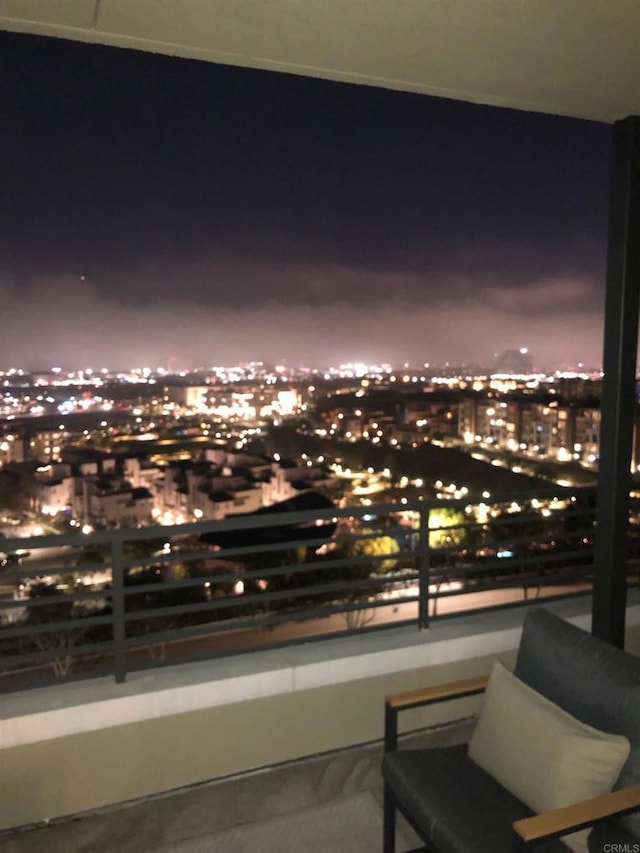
x,y
80,707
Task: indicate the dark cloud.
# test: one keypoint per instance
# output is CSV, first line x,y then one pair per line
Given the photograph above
x,y
67,321
455,270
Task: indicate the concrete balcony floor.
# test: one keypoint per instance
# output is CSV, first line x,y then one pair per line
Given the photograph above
x,y
201,818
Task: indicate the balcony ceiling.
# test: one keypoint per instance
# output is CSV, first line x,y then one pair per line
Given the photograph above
x,y
569,57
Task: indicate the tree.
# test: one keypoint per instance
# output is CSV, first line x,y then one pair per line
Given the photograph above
x,y
375,554
446,528
58,640
139,602
376,548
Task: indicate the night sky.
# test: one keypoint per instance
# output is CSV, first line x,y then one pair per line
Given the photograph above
x,y
154,208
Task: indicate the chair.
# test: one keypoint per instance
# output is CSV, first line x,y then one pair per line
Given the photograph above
x,y
456,806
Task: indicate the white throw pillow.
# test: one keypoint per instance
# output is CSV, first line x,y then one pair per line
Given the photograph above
x,y
540,753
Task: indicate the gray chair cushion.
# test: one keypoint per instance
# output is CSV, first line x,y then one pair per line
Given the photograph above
x,y
592,680
453,803
607,834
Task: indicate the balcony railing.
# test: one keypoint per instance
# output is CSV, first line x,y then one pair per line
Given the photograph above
x,y
76,606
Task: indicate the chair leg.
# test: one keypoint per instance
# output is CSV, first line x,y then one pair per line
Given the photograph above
x,y
389,821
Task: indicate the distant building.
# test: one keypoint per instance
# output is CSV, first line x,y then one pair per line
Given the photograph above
x,y
513,361
545,427
11,449
288,480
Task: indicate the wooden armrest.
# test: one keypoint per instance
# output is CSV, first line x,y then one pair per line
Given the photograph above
x,y
436,693
580,815
426,696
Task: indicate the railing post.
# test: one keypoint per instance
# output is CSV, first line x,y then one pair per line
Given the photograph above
x,y
619,386
424,568
117,605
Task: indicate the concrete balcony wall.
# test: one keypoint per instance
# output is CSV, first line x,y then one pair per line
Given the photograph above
x,y
84,746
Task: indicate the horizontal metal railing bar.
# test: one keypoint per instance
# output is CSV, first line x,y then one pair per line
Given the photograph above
x,y
520,537
509,564
31,604
495,567
475,583
235,625
46,656
267,548
511,519
512,582
84,594
521,602
92,566
193,632
188,632
55,626
54,600
178,556
80,593
504,585
482,562
523,565
533,538
227,553
236,601
186,583
323,565
222,553
41,678
552,531
26,571
540,514
170,558
222,556
438,586
515,580
54,540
